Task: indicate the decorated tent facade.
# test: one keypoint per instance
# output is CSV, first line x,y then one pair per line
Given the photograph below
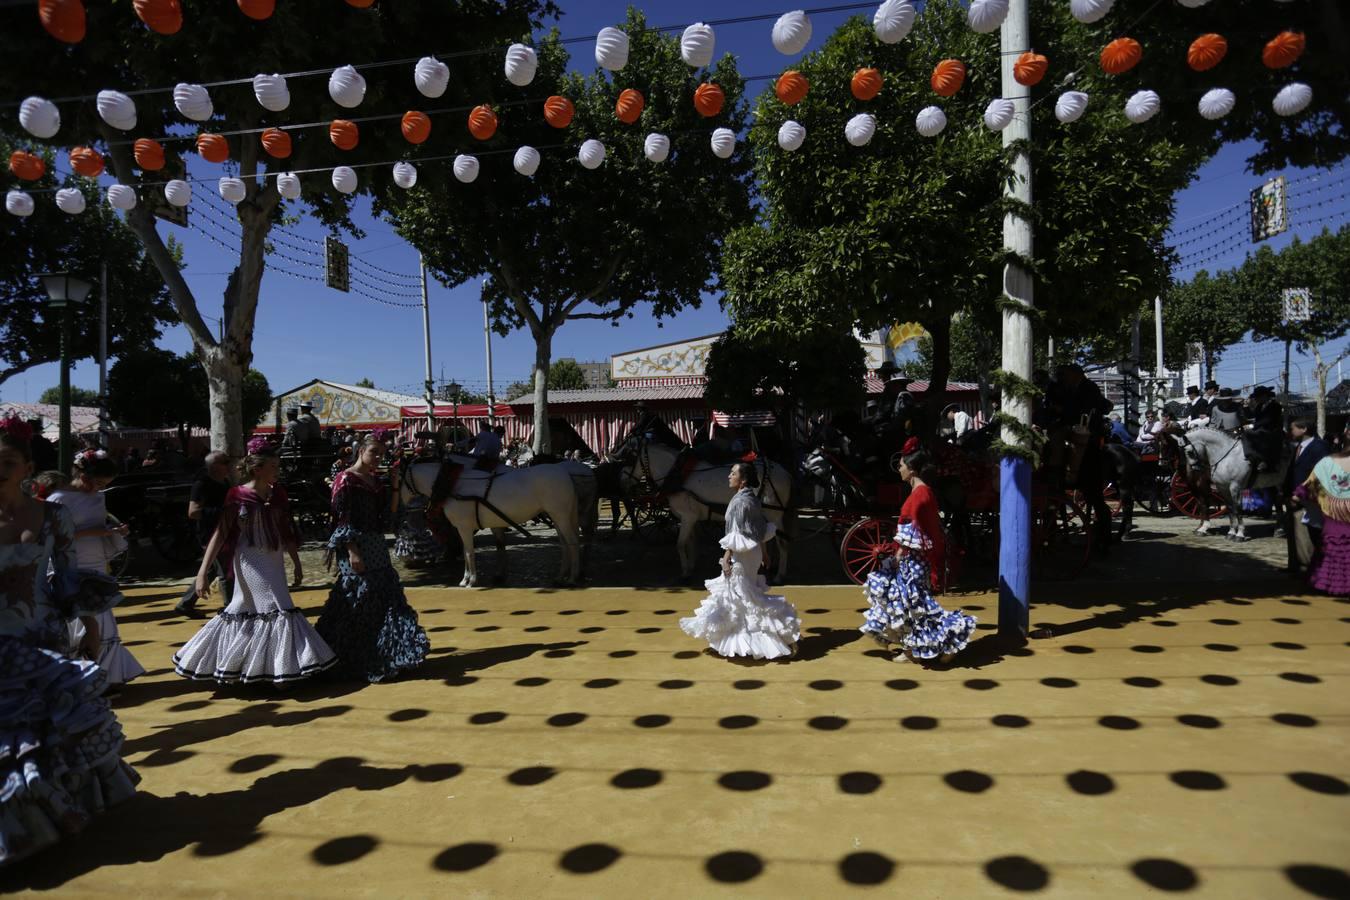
x,y
341,405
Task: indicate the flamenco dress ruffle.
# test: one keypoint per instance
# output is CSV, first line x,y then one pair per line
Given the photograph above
x,y
902,611
739,617
367,619
414,541
1329,571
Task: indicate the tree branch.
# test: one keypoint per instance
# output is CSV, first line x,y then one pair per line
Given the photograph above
x,y
20,368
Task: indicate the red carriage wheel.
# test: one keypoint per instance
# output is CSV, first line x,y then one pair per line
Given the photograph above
x,y
1061,538
1185,500
864,546
1109,494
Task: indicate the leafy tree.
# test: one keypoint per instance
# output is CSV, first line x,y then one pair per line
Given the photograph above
x,y
571,243
51,241
819,370
365,383
1211,312
155,388
219,44
517,389
78,396
566,375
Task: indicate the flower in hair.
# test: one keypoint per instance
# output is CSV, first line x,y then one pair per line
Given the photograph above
x,y
911,446
258,445
17,428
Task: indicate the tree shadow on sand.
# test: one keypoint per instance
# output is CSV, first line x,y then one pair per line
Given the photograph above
x,y
452,664
201,731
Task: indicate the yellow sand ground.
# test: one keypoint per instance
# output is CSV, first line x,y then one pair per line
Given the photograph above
x,y
578,744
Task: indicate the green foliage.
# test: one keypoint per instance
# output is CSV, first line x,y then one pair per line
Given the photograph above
x,y
1322,265
365,383
819,370
156,388
516,390
51,241
78,396
1209,311
974,349
566,375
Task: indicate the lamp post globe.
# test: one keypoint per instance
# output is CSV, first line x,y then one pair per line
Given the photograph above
x,y
64,291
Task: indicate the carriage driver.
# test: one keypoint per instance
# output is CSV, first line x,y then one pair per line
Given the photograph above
x,y
487,446
1264,440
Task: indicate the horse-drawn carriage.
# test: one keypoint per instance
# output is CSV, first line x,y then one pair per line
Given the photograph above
x,y
154,504
306,476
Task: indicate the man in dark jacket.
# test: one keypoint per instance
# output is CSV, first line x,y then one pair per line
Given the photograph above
x,y
1264,441
204,508
1303,532
1197,407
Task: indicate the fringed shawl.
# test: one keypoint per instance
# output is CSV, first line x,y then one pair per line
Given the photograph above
x,y
1330,485
263,523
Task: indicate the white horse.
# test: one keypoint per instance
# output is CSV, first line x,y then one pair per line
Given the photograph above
x,y
1216,456
703,493
505,499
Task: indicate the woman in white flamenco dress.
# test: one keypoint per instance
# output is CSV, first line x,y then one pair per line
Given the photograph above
x,y
739,617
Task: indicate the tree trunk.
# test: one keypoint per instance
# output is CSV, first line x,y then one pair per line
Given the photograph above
x,y
543,352
940,332
225,383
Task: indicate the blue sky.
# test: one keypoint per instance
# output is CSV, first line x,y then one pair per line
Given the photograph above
x,y
305,330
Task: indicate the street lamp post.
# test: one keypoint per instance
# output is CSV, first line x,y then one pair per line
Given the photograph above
x,y
63,291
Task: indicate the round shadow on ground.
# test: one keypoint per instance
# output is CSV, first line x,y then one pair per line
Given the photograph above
x,y
687,654
636,778
460,680
465,857
1219,680
599,683
531,682
1319,783
735,722
828,723
919,723
652,721
861,782
734,867
407,715
1017,873
1078,649
1119,723
531,775
1300,678
1320,881
1059,682
968,781
1143,681
487,718
902,684
254,763
1091,784
589,858
825,684
591,629
745,780
436,772
1196,780
1165,874
189,705
622,654
980,684
1287,645
566,720
651,629
1294,720
1147,648
675,684
1221,648
343,850
866,868
748,684
1197,721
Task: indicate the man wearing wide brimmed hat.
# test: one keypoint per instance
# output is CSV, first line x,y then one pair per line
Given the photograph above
x,y
311,430
1265,438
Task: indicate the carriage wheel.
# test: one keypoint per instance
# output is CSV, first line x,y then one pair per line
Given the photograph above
x,y
176,539
864,546
654,522
1061,539
1109,493
117,565
1184,499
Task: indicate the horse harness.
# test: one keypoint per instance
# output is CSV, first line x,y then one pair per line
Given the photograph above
x,y
405,480
648,483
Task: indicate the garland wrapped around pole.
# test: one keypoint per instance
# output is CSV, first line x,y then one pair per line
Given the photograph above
x,y
1018,444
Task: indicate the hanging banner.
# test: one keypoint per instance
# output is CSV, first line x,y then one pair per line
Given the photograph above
x,y
335,264
1269,208
1297,305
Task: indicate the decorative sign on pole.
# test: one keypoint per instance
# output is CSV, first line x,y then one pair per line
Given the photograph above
x,y
1269,208
335,259
1297,305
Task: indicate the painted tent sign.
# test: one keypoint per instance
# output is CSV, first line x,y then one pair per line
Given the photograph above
x,y
345,405
684,358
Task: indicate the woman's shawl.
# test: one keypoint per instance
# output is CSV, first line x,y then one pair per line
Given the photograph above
x,y
746,526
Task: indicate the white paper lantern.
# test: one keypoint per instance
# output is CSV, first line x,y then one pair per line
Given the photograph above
x,y
791,33
1090,11
985,16
723,143
1070,106
347,87
19,203
193,101
121,196
40,117
1217,103
466,168
893,20
178,192
521,64
930,121
998,115
231,189
611,48
860,128
70,200
591,154
1292,99
1195,4
656,147
526,161
344,179
697,45
272,92
791,135
288,186
117,109
1142,106
432,76
405,174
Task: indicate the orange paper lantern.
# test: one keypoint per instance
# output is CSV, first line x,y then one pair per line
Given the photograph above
x,y
558,111
866,84
416,126
213,148
63,19
791,87
1121,55
708,99
149,154
629,106
948,76
276,143
1283,49
344,134
86,161
162,16
26,166
258,9
482,121
1206,52
1030,68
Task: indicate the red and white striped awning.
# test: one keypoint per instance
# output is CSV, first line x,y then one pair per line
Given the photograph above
x,y
753,419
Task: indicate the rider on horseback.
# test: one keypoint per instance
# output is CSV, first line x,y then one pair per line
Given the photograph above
x,y
1264,441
